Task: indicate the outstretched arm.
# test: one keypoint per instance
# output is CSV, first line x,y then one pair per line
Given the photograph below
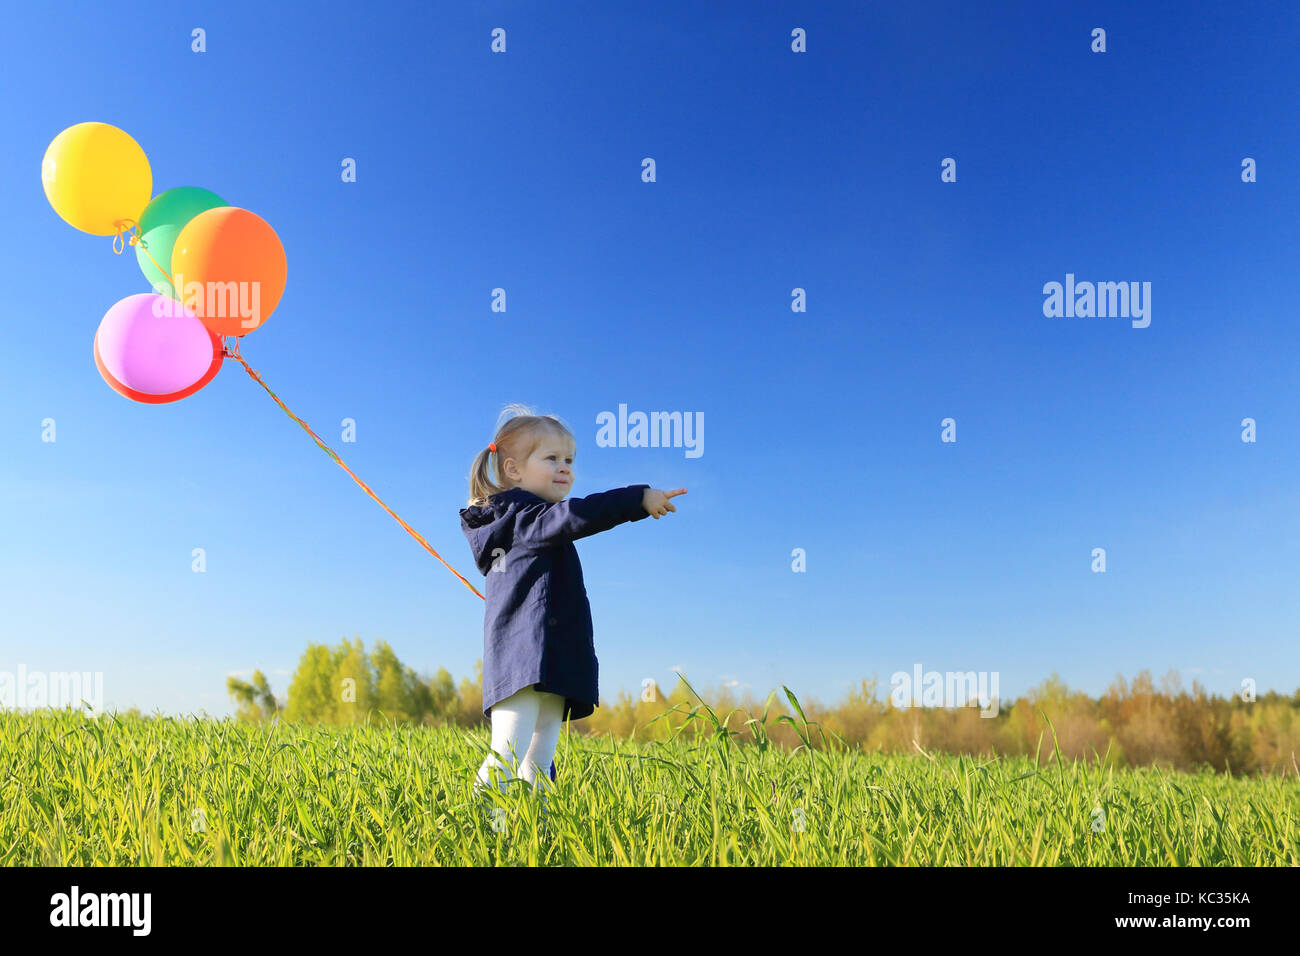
x,y
542,524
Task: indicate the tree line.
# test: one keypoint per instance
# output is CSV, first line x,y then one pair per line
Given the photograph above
x,y
1131,724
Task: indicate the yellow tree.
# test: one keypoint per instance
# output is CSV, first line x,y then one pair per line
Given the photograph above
x,y
311,691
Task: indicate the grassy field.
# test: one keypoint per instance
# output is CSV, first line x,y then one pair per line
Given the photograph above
x,y
123,790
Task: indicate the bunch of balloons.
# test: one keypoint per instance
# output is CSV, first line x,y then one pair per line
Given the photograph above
x,y
216,269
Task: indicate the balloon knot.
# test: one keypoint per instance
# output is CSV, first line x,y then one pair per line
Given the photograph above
x,y
124,226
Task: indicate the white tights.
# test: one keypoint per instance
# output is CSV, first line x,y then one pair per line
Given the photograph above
x,y
526,725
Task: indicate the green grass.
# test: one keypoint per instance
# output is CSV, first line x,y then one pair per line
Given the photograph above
x,y
135,791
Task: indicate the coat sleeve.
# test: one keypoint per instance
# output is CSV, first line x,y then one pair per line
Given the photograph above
x,y
542,524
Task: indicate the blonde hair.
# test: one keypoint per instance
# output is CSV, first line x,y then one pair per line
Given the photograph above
x,y
519,432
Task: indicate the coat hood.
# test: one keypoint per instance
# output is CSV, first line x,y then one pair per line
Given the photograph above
x,y
490,526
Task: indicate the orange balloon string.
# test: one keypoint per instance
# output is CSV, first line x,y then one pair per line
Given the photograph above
x,y
233,352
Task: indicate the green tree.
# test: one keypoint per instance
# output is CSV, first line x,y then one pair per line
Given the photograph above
x,y
312,692
253,701
399,691
355,695
444,703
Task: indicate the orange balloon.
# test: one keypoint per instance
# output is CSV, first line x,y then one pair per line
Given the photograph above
x,y
228,266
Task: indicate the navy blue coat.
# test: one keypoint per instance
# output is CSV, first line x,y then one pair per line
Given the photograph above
x,y
537,626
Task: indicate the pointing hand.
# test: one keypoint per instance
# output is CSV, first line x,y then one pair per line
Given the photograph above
x,y
656,502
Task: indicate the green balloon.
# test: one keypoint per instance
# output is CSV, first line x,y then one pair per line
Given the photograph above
x,y
159,241
160,224
177,206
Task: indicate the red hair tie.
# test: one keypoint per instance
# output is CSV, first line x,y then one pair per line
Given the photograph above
x,y
492,446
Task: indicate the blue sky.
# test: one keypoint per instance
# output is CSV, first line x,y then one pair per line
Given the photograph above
x,y
775,171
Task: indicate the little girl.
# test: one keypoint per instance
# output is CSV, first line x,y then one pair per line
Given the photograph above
x,y
539,661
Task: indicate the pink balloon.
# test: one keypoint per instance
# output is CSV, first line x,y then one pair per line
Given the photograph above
x,y
153,344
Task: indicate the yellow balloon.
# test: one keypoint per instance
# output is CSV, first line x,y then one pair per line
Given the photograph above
x,y
95,175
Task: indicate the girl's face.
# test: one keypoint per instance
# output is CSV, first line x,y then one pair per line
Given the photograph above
x,y
548,472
